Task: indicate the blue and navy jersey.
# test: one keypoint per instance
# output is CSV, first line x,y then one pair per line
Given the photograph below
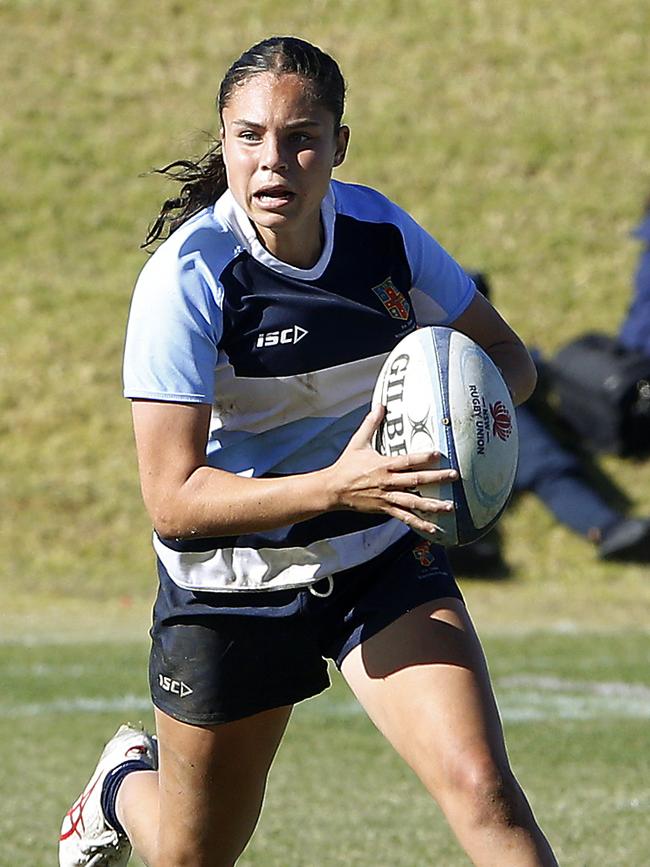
x,y
287,358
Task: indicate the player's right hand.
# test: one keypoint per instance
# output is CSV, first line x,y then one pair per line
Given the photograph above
x,y
362,480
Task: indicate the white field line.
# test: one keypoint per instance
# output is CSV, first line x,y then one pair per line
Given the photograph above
x,y
522,698
121,704
550,683
532,697
37,638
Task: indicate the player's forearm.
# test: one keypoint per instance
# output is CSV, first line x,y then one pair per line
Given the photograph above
x,y
517,368
216,503
485,325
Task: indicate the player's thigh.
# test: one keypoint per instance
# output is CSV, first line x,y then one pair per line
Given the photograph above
x,y
211,784
424,682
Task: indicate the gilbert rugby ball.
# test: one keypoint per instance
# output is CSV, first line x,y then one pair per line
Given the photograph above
x,y
443,393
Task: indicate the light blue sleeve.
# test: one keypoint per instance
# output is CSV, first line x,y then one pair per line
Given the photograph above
x,y
441,289
173,331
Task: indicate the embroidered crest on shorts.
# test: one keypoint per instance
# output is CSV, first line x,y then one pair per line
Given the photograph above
x,y
422,553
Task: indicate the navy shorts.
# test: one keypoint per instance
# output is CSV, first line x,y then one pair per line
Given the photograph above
x,y
218,657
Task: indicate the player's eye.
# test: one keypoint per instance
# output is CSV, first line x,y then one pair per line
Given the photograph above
x,y
300,137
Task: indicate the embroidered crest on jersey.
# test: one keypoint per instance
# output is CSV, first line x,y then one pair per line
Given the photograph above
x,y
392,299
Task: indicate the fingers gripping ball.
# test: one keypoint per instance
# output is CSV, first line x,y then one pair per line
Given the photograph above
x,y
442,392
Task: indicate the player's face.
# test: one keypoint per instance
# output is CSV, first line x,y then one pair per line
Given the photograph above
x,y
279,149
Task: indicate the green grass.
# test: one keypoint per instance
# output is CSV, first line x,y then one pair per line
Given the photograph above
x,y
575,707
516,132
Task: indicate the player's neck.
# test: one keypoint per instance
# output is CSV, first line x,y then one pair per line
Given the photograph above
x,y
296,247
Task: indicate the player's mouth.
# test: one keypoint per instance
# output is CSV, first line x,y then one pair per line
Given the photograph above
x,y
272,197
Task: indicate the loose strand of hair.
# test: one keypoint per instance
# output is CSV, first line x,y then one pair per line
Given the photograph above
x,y
203,182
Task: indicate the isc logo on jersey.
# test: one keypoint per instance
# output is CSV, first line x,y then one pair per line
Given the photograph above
x,y
287,336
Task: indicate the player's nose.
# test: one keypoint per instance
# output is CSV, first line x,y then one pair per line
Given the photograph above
x,y
273,156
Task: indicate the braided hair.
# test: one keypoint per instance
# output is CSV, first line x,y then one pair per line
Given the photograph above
x,y
204,180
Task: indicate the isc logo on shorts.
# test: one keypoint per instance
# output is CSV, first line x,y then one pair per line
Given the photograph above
x,y
286,336
177,687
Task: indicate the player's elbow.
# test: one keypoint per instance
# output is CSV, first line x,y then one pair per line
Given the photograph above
x,y
171,523
169,519
167,527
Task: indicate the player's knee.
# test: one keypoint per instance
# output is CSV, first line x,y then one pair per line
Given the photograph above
x,y
489,794
192,849
187,854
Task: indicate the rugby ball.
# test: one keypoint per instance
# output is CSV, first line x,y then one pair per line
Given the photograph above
x,y
442,392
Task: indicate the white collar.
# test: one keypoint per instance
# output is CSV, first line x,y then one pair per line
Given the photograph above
x,y
226,209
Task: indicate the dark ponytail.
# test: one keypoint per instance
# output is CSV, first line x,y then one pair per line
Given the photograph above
x,y
204,181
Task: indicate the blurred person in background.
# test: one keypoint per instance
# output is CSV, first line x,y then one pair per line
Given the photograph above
x,y
634,334
551,468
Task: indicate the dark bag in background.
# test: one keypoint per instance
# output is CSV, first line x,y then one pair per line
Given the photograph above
x,y
603,392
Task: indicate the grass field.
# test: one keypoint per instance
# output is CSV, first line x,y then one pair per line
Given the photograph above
x,y
517,132
576,708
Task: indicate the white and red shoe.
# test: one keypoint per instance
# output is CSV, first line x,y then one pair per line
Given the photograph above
x,y
86,839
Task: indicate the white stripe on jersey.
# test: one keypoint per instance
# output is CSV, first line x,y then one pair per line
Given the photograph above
x,y
259,404
232,569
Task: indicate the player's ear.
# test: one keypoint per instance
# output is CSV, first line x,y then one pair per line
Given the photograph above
x,y
342,141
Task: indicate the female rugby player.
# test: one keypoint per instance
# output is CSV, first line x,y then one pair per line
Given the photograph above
x,y
282,538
